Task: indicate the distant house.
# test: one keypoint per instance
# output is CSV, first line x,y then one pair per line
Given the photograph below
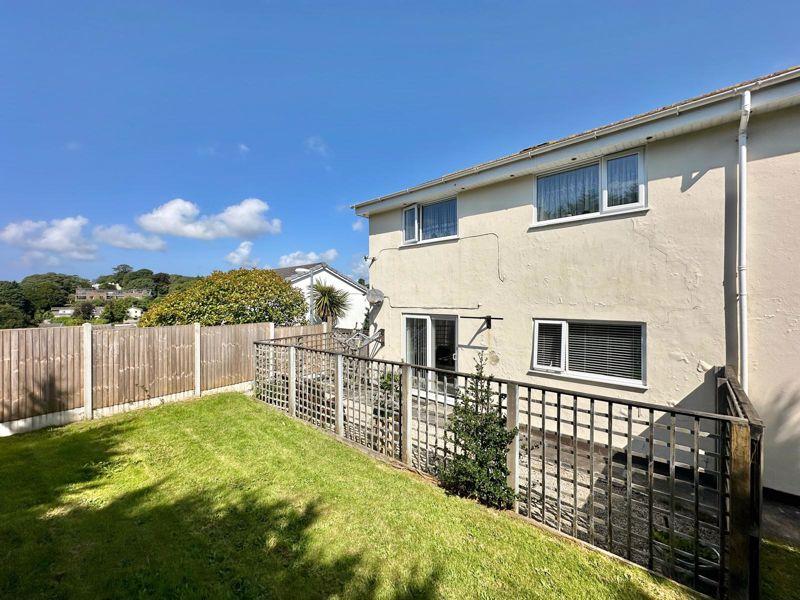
x,y
62,311
83,294
303,277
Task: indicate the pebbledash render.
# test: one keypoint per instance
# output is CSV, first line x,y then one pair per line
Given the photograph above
x,y
609,262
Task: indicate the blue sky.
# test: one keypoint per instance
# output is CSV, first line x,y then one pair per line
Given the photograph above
x,y
187,137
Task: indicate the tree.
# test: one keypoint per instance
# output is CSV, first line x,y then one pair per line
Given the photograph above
x,y
11,293
85,310
122,270
139,283
12,317
238,296
115,311
329,303
161,284
47,290
480,470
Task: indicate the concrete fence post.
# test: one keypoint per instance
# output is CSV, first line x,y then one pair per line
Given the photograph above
x,y
292,382
197,367
405,414
339,406
86,343
271,331
512,424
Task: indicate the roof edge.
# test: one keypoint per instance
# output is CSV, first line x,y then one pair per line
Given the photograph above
x,y
627,123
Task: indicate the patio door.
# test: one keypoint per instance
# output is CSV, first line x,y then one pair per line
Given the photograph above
x,y
431,341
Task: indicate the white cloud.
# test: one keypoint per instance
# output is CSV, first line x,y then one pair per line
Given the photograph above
x,y
182,218
241,255
358,225
359,268
50,241
317,145
120,236
303,258
208,150
243,149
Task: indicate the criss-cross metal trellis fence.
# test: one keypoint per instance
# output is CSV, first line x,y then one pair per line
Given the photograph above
x,y
674,490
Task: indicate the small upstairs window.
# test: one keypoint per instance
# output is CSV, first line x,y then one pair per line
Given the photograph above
x,y
432,221
410,224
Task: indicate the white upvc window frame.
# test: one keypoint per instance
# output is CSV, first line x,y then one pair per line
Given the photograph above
x,y
430,335
417,208
549,368
604,209
415,239
580,375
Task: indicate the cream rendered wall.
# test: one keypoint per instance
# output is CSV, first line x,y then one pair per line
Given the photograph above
x,y
672,267
354,318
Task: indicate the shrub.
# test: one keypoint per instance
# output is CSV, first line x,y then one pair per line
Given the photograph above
x,y
238,296
480,470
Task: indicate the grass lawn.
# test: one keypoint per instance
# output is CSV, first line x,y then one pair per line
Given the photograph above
x,y
224,497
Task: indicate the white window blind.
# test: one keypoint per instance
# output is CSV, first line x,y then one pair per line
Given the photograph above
x,y
548,347
604,349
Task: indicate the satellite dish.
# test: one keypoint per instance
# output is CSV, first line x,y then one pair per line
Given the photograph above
x,y
374,296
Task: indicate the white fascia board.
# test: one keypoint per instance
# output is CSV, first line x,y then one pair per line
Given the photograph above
x,y
676,121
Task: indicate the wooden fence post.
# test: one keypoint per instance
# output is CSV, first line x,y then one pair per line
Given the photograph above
x,y
292,382
339,394
512,424
197,367
405,414
739,541
271,331
86,343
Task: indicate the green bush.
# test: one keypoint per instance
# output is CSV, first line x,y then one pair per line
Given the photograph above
x,y
480,470
238,296
12,318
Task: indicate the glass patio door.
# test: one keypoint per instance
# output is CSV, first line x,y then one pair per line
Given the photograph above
x,y
431,342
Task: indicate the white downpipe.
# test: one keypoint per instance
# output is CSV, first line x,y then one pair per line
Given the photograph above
x,y
742,255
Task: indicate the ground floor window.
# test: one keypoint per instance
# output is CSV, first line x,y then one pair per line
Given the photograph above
x,y
612,352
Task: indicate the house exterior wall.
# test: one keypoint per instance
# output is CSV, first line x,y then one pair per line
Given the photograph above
x,y
354,318
672,268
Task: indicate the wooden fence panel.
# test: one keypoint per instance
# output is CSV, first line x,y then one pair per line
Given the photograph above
x,y
294,330
40,371
226,353
136,364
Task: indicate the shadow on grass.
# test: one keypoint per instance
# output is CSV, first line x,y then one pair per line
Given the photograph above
x,y
154,541
82,516
780,570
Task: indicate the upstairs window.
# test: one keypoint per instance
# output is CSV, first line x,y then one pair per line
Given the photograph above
x,y
612,352
410,224
611,184
423,222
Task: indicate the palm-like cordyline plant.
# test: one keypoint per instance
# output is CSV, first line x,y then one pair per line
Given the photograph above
x,y
330,304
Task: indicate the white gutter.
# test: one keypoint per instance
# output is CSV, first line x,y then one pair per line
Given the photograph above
x,y
742,256
773,93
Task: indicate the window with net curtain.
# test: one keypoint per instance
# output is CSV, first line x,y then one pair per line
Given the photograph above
x,y
438,220
577,191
